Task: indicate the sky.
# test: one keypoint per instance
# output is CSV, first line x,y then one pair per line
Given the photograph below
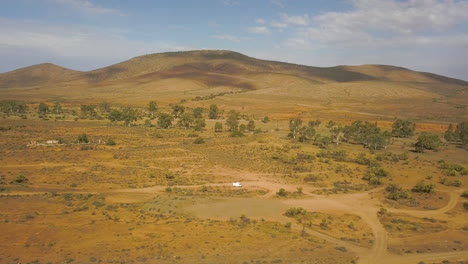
x,y
423,35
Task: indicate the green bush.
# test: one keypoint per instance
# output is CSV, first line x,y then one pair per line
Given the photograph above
x,y
110,142
199,141
422,186
282,192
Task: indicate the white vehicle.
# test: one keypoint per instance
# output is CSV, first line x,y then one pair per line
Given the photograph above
x,y
236,184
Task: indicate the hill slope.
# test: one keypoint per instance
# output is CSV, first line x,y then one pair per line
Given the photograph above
x,y
234,80
35,75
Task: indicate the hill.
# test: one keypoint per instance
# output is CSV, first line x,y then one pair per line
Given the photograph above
x,y
35,75
237,81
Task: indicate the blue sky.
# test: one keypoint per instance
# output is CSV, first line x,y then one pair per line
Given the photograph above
x,y
424,35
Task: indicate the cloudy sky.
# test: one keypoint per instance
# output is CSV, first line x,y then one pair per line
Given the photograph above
x,y
424,35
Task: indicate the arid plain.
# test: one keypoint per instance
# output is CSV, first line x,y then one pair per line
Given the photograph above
x,y
134,163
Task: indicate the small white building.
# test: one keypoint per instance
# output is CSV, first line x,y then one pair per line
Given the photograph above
x,y
236,184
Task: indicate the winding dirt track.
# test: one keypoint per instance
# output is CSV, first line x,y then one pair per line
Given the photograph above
x,y
360,204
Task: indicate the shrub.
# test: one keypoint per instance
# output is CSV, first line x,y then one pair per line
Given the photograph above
x,y
423,187
282,192
465,194
199,141
395,192
21,179
295,211
110,142
427,141
83,138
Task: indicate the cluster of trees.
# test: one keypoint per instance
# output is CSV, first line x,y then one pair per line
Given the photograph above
x,y
459,135
367,134
427,141
126,114
359,132
403,128
13,107
233,125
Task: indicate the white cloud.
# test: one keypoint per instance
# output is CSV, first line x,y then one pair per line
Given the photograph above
x,y
227,37
295,20
87,6
279,3
262,30
260,21
277,24
70,46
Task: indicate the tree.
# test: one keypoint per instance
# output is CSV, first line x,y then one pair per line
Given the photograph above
x,y
114,115
427,141
450,134
129,115
232,121
198,112
214,112
152,108
199,124
461,132
178,110
218,127
104,107
83,138
186,120
294,126
403,128
422,186
335,131
251,125
88,111
242,128
57,109
306,133
165,120
43,109
266,119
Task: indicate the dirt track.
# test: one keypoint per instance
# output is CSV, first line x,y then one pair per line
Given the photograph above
x,y
360,204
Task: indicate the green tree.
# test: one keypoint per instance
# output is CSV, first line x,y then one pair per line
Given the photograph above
x,y
165,120
422,186
104,107
450,134
114,115
83,138
232,122
186,120
178,110
335,131
129,115
57,109
306,133
213,112
251,125
88,111
461,132
43,109
198,112
152,108
199,124
218,127
294,127
403,128
428,141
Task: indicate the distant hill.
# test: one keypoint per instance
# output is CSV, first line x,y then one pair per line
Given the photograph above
x,y
235,80
35,75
